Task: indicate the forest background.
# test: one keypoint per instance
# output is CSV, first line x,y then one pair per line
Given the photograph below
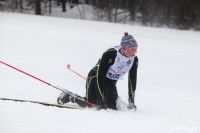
x,y
179,14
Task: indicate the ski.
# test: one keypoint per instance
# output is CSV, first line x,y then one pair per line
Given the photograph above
x,y
42,103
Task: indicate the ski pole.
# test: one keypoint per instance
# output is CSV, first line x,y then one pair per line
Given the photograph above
x,y
61,89
68,66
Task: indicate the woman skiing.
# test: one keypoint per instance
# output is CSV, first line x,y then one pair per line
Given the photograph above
x,y
101,82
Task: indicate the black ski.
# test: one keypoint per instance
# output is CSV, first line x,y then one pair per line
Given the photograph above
x,y
42,103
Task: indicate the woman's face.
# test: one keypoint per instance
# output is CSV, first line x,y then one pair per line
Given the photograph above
x,y
129,53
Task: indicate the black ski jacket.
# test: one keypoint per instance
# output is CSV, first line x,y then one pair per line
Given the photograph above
x,y
101,69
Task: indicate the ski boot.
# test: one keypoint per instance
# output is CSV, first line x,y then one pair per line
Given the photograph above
x,y
65,98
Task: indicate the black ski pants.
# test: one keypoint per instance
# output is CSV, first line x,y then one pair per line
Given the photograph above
x,y
103,93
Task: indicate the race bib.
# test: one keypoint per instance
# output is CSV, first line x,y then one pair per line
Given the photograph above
x,y
120,67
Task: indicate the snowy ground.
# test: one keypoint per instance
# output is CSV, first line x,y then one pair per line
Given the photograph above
x,y
167,94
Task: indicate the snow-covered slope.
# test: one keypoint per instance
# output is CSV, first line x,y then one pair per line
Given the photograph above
x,y
167,93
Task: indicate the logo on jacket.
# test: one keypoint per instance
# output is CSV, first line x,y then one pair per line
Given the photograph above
x,y
110,61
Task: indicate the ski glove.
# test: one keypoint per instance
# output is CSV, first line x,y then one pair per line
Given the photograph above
x,y
131,104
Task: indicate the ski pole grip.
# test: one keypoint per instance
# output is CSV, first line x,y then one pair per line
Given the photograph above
x,y
68,66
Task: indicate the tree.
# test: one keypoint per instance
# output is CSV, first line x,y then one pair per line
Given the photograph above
x,y
63,5
37,7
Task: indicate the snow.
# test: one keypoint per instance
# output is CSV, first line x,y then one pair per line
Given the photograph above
x,y
167,94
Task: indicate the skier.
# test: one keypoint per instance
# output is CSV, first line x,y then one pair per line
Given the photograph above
x,y
101,82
